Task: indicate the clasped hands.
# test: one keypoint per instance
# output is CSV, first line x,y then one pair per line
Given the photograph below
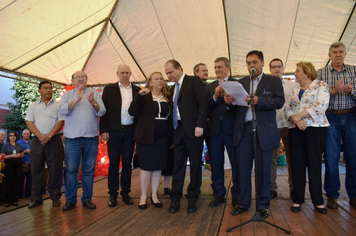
x,y
298,121
346,88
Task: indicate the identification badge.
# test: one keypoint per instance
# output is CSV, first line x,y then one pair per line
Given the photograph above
x,y
14,151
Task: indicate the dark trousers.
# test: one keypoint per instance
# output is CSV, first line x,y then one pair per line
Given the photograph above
x,y
217,158
25,182
244,155
184,147
12,171
53,154
120,144
306,151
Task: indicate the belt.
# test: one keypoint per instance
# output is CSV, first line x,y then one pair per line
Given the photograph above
x,y
338,111
125,126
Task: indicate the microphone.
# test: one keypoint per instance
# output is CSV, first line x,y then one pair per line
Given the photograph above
x,y
253,72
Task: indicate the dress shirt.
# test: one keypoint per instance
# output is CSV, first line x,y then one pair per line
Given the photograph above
x,y
180,81
24,147
44,117
82,120
248,116
315,101
288,87
126,99
341,100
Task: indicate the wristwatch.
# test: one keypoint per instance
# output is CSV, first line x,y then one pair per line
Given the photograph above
x,y
95,105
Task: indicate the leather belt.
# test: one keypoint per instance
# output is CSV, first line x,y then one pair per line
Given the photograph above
x,y
338,111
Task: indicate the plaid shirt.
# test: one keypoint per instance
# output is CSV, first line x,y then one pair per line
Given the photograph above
x,y
341,100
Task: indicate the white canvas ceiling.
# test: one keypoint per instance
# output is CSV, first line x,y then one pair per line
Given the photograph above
x,y
51,39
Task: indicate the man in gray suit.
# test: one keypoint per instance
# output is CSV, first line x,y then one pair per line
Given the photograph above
x,y
268,96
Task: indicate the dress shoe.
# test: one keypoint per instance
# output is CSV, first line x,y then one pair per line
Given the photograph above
x,y
353,202
112,201
217,201
15,204
68,206
174,207
296,209
142,207
264,213
192,207
127,200
89,204
167,192
35,204
331,203
56,202
273,194
157,204
322,210
237,210
7,204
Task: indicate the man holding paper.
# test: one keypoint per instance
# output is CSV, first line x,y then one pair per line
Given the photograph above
x,y
268,96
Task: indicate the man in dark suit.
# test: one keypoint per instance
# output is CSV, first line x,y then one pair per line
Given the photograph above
x,y
220,131
189,108
117,127
269,96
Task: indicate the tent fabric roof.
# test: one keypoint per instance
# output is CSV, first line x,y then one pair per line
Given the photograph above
x,y
50,39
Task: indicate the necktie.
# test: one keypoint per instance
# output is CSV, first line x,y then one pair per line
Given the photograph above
x,y
175,108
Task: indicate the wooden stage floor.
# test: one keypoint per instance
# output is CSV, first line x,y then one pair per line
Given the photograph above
x,y
130,220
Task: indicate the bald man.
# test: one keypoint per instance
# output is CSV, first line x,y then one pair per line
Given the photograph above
x,y
117,127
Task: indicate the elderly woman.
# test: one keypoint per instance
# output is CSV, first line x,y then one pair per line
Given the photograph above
x,y
13,153
150,106
305,112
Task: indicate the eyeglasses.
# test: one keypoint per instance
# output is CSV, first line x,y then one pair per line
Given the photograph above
x,y
80,77
276,67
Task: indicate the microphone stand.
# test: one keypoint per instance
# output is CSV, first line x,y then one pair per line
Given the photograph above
x,y
256,217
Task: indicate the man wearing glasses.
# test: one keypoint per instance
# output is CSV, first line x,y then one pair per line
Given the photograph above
x,y
268,96
81,108
276,68
44,121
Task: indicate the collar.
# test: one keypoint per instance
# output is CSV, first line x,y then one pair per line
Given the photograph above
x,y
332,68
122,86
180,81
40,101
224,79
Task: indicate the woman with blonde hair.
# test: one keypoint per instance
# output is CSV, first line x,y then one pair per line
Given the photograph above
x,y
305,112
151,108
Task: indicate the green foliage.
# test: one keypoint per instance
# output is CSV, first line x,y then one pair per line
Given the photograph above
x,y
25,94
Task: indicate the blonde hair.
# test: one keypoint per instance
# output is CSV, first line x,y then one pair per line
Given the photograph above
x,y
308,69
165,91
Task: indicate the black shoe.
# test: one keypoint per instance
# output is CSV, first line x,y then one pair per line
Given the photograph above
x,y
112,201
174,207
157,204
142,207
217,201
68,206
192,207
332,204
273,194
296,209
56,202
234,201
127,200
89,204
35,204
264,213
237,210
321,210
7,204
353,202
15,204
167,192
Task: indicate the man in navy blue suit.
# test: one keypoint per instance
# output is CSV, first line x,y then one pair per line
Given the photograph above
x,y
269,96
220,130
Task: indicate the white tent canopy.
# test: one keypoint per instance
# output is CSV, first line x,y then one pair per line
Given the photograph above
x,y
50,39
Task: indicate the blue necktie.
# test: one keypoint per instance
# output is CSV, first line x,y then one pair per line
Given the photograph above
x,y
175,108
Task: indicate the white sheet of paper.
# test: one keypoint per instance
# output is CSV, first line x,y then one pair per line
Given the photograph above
x,y
237,91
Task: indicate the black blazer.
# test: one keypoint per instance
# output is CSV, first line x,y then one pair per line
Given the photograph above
x,y
192,104
218,109
270,97
112,101
143,108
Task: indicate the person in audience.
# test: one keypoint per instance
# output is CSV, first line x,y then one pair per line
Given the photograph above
x,y
25,179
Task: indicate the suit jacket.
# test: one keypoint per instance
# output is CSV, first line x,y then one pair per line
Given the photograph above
x,y
192,104
143,107
218,109
112,101
270,97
